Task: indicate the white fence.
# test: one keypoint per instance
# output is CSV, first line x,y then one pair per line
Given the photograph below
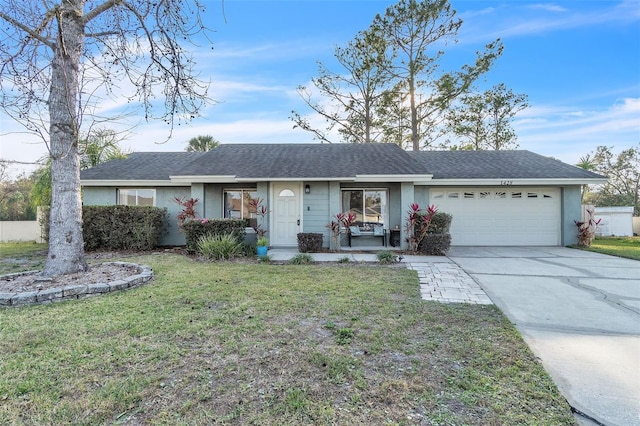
x,y
20,230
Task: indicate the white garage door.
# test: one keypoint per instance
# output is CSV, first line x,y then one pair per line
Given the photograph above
x,y
501,217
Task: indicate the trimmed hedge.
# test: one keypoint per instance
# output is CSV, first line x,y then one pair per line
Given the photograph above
x,y
309,242
440,223
122,227
198,228
435,244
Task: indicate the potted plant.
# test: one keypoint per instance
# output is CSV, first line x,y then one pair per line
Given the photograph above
x,y
262,246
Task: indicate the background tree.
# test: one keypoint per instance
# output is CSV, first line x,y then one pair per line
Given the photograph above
x,y
201,143
99,146
586,163
623,173
483,121
394,89
354,97
41,189
14,196
54,54
416,31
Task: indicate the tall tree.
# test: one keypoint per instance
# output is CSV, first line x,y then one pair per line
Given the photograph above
x,y
417,31
355,96
623,173
201,143
393,89
53,54
483,120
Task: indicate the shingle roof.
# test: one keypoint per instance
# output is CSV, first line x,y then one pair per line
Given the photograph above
x,y
142,166
304,161
497,165
308,161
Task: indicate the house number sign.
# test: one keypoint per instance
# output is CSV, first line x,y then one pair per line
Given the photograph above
x,y
506,182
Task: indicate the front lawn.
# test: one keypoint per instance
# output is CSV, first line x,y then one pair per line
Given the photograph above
x,y
628,247
234,343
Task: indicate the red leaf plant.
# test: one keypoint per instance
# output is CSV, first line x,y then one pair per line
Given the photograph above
x,y
417,224
188,211
587,229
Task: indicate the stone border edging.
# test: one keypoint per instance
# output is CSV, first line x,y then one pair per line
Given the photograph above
x,y
76,291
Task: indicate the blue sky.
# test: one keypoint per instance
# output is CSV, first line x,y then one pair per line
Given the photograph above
x,y
578,62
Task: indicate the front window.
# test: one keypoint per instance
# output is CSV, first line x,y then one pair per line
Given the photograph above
x,y
237,205
368,205
137,197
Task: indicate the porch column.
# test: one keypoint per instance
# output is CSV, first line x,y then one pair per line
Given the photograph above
x,y
262,188
335,206
406,198
197,191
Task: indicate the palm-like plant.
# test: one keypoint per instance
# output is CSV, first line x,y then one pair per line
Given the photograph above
x,y
201,143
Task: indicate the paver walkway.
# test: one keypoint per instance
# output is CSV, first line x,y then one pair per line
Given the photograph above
x,y
448,283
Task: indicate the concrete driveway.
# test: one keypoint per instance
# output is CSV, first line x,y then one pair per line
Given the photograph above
x,y
580,314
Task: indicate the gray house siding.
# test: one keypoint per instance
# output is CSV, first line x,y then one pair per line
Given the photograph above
x,y
571,210
315,210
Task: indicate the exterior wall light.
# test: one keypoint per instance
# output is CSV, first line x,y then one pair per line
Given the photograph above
x,y
307,189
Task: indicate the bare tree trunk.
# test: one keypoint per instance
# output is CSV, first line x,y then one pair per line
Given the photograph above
x,y
66,246
415,137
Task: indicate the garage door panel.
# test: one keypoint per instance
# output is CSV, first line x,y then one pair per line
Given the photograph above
x,y
490,216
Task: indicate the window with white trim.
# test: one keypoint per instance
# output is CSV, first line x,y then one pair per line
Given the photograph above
x,y
136,197
237,205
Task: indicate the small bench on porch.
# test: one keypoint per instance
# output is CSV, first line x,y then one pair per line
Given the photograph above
x,y
368,230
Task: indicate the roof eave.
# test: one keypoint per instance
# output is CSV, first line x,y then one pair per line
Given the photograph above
x,y
188,180
415,178
516,182
128,182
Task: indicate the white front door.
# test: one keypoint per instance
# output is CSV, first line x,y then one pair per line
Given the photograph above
x,y
285,214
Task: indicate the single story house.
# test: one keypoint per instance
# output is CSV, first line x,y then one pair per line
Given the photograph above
x,y
497,198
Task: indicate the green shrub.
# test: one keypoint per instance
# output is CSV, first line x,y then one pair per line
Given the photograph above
x,y
219,247
248,250
197,228
301,259
435,244
386,256
123,227
344,259
440,223
309,242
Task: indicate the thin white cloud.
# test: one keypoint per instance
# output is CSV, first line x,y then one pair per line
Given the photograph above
x,y
567,132
549,7
516,19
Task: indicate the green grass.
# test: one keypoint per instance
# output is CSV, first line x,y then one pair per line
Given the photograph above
x,y
237,343
628,247
17,257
